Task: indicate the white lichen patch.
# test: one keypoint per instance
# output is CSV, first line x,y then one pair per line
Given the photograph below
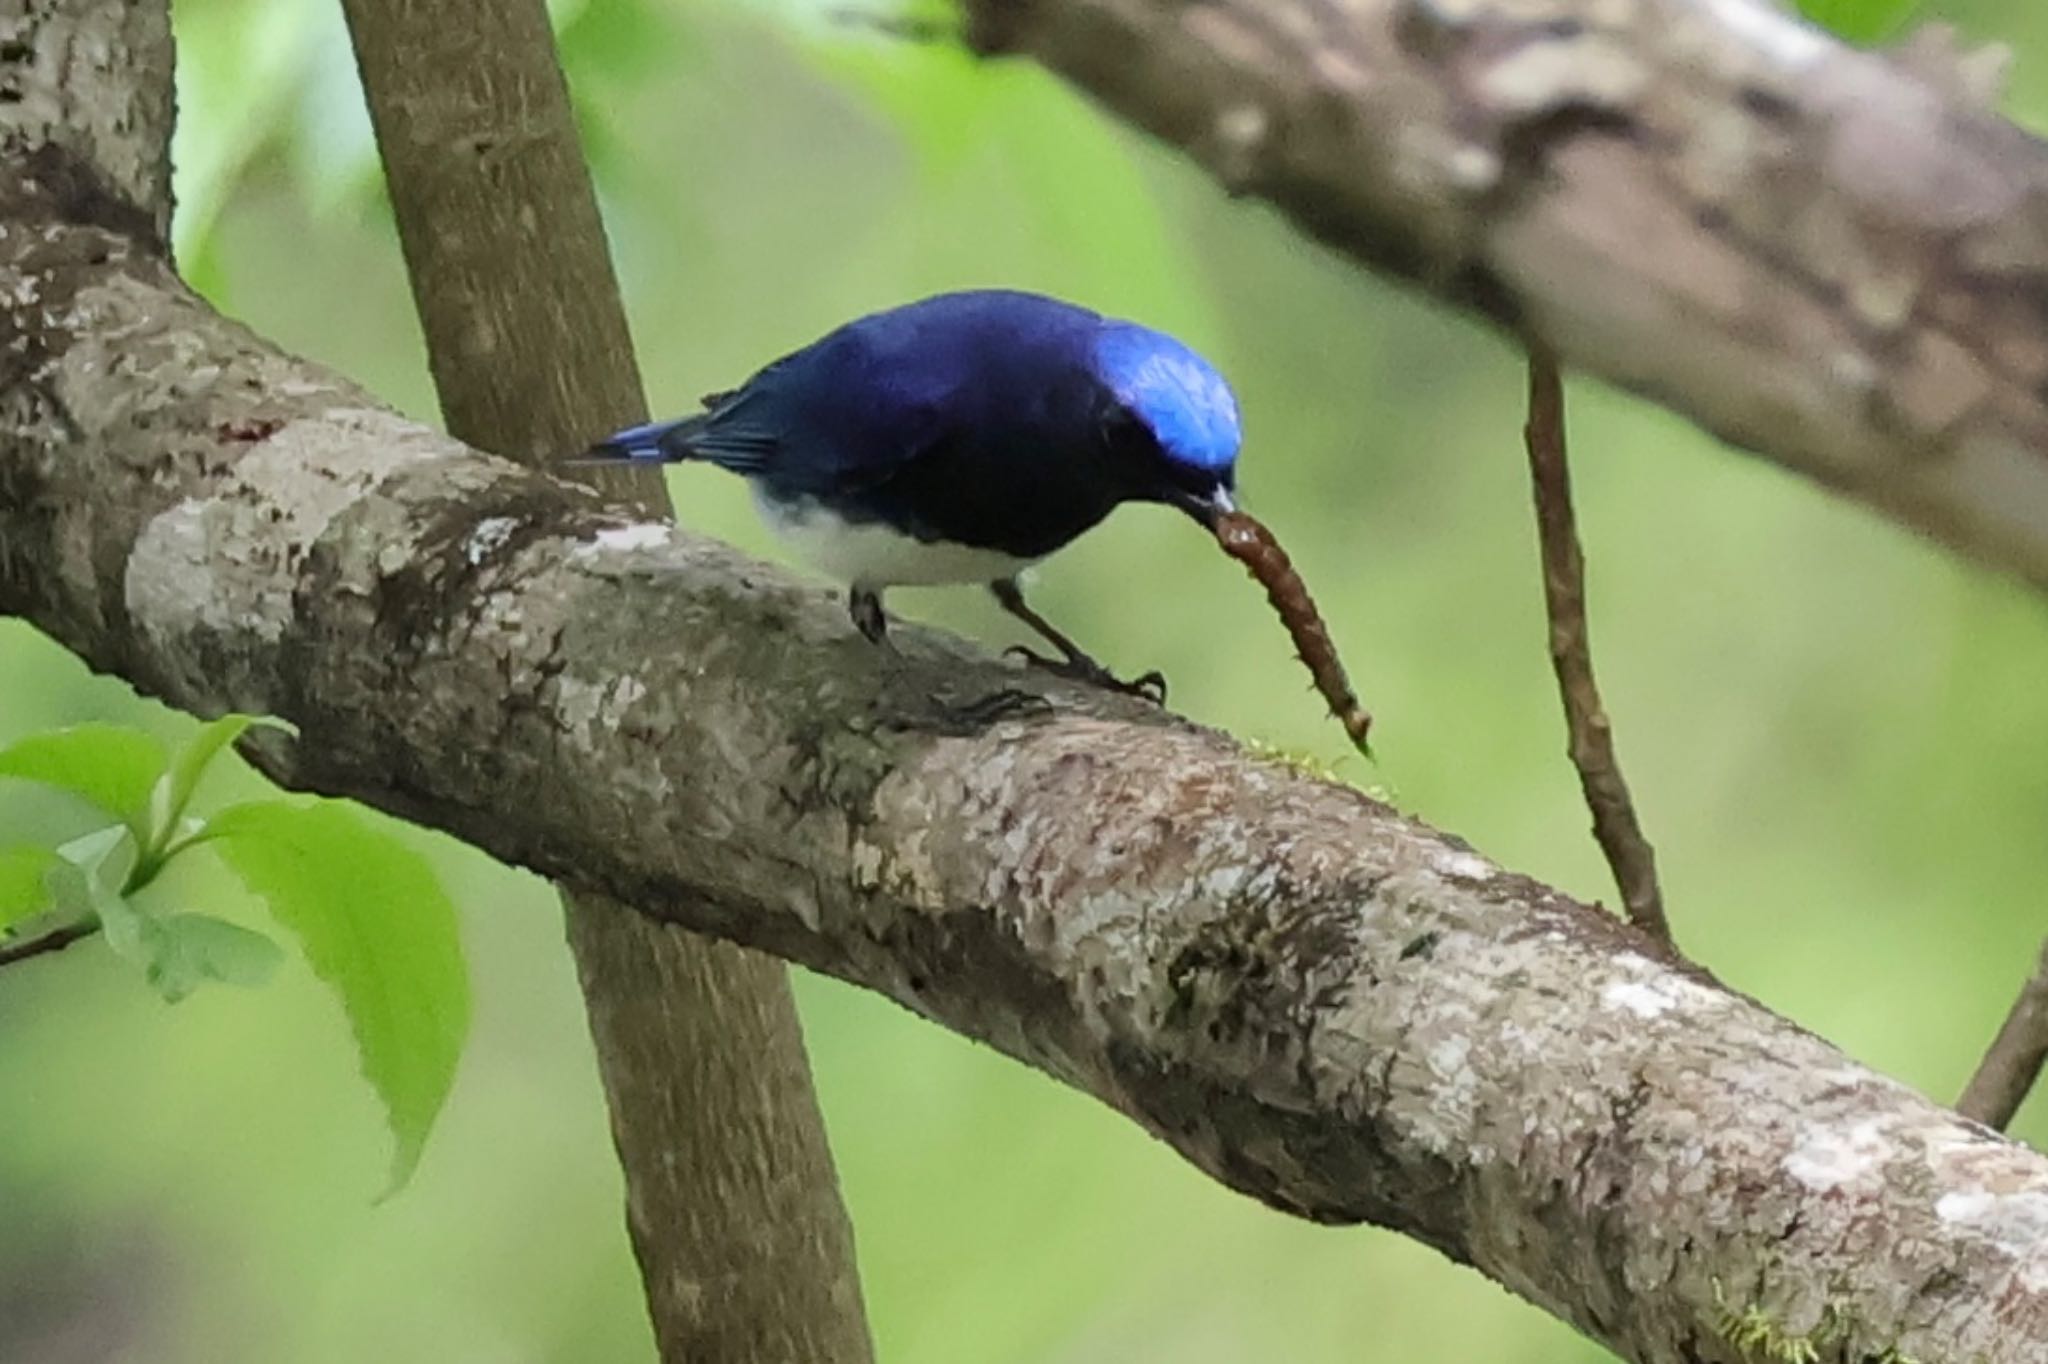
x,y
1472,167
1971,1205
1589,71
1240,128
592,712
229,563
2018,1215
1831,1157
1648,990
1440,1106
1237,878
172,586
2015,1221
1449,1060
901,861
1644,1001
583,705
865,860
489,536
1463,865
624,539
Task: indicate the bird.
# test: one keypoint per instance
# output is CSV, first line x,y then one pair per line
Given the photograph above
x,y
962,438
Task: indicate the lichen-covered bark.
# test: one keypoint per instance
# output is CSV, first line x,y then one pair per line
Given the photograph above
x,y
94,78
1836,258
1327,1005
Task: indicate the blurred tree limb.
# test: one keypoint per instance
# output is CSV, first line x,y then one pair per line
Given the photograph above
x,y
1330,1007
745,1252
1326,1005
1837,259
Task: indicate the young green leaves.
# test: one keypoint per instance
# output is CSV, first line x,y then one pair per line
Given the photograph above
x,y
108,766
371,919
24,891
376,926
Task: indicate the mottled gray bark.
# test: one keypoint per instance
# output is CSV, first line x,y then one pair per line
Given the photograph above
x,y
745,1251
1333,1008
1835,258
93,77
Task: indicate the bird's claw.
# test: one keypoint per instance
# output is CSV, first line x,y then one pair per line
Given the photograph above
x,y
1150,686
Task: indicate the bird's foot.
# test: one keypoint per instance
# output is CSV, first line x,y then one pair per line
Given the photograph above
x,y
1150,686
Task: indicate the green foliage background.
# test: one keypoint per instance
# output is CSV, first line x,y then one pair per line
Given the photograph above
x,y
1839,738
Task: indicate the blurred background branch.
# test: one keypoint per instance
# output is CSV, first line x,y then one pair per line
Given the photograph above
x,y
1834,258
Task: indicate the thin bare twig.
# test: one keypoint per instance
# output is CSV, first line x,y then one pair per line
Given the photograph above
x,y
2013,1061
1615,825
56,940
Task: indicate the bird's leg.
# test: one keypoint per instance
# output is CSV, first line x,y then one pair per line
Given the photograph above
x,y
864,604
1073,663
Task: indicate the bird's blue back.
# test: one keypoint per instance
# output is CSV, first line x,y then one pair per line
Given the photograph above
x,y
977,417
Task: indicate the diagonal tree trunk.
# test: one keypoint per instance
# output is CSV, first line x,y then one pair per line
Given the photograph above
x,y
745,1251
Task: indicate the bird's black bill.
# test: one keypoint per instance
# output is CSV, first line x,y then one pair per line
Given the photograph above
x,y
1205,507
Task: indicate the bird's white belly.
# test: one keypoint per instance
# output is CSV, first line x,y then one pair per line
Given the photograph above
x,y
872,555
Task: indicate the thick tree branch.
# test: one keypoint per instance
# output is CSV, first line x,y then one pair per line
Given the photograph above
x,y
1834,258
1320,1002
2013,1062
93,77
745,1251
1590,737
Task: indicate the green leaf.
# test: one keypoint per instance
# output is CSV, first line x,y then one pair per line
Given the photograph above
x,y
24,883
376,926
129,931
103,855
112,766
85,878
180,952
218,950
173,791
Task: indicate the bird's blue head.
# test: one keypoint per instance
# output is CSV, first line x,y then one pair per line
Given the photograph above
x,y
1177,410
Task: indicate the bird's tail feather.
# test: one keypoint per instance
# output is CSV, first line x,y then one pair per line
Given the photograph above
x,y
665,442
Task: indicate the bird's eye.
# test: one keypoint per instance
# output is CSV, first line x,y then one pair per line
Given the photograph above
x,y
1120,426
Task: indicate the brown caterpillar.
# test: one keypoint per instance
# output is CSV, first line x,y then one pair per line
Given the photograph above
x,y
1246,540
